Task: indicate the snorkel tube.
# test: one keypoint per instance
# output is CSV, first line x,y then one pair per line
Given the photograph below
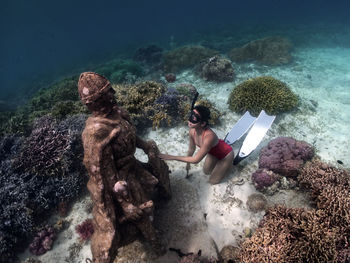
x,y
194,117
194,100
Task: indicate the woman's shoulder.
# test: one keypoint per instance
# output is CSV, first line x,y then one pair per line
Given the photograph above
x,y
210,135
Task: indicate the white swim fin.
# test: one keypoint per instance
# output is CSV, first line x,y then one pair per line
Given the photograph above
x,y
254,136
240,128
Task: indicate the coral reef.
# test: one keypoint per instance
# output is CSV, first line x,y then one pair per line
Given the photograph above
x,y
120,71
85,229
139,101
185,57
330,189
268,51
263,178
9,146
290,235
151,54
186,89
256,202
317,175
215,69
48,149
59,100
43,241
262,93
27,196
299,235
150,104
285,156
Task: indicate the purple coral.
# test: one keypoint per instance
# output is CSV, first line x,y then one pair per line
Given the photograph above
x,y
43,241
285,155
85,229
170,101
263,178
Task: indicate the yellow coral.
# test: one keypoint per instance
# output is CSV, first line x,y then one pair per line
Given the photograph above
x,y
158,117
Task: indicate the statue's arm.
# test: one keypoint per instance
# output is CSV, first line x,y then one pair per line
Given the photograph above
x,y
147,146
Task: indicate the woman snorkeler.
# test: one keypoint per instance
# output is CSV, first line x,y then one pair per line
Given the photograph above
x,y
219,155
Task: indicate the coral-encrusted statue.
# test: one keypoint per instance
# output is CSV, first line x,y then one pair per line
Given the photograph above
x,y
121,187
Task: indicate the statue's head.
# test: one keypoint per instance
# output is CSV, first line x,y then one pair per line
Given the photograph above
x,y
92,86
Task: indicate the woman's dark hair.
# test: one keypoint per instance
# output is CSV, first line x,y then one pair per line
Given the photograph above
x,y
204,112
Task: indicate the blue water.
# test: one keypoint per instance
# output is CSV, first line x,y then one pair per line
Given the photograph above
x,y
42,40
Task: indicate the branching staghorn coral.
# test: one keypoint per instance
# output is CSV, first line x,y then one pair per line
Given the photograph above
x,y
290,235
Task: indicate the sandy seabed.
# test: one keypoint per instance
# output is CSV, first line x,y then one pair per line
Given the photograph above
x,y
204,217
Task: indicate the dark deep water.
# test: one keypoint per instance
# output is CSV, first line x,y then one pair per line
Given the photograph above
x,y
53,38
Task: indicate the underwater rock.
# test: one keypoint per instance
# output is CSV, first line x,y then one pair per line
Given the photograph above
x,y
268,51
170,77
285,156
110,141
216,69
256,202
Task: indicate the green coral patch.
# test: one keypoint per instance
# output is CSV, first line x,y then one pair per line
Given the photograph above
x,y
262,93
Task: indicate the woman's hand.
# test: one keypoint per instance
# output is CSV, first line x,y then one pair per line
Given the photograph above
x,y
165,156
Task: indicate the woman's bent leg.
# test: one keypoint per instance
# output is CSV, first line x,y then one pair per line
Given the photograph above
x,y
221,169
209,164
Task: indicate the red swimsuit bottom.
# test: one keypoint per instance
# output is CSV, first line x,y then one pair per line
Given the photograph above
x,y
220,150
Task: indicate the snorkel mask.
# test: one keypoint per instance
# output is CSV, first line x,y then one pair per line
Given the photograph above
x,y
194,117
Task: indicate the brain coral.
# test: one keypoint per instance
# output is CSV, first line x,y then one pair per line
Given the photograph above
x,y
262,93
285,156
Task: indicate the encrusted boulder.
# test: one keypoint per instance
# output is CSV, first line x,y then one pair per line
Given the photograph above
x,y
256,202
285,156
216,69
267,51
